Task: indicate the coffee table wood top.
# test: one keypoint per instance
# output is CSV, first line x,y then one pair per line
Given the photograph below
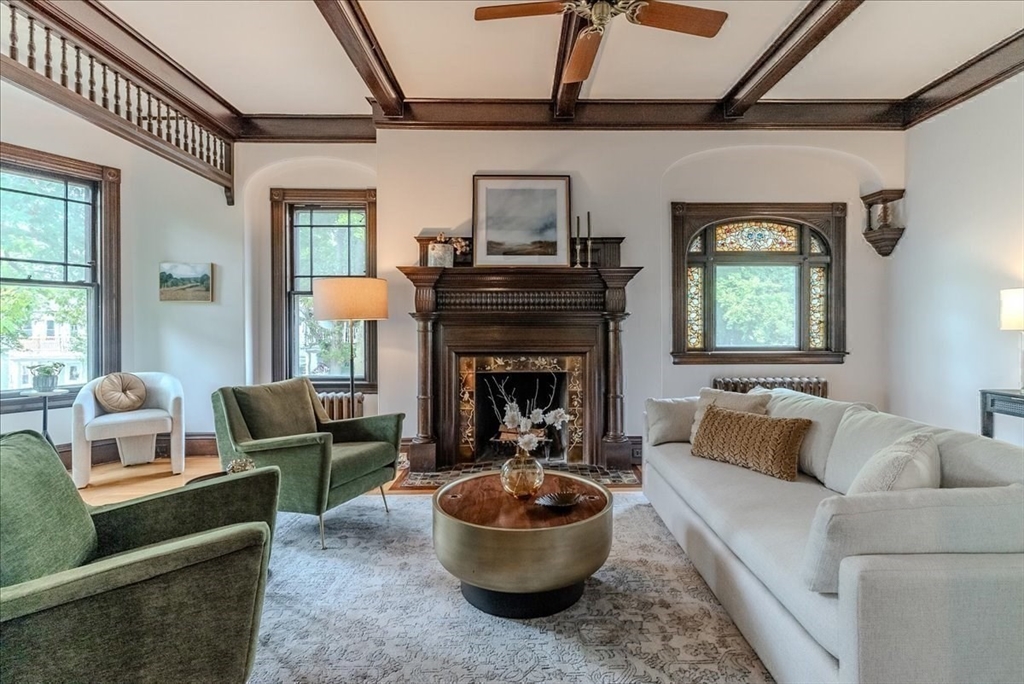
x,y
480,500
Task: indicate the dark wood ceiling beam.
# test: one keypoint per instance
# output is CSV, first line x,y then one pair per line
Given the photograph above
x,y
674,115
279,128
352,29
814,23
101,32
564,95
994,65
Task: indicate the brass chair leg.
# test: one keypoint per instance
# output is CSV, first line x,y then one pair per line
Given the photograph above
x,y
386,509
323,546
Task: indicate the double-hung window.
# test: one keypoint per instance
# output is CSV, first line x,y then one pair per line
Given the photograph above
x,y
321,233
758,283
58,272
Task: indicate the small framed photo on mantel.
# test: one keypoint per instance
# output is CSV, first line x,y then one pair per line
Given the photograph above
x,y
521,220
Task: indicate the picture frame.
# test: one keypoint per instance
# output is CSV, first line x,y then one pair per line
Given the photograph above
x,y
186,282
521,220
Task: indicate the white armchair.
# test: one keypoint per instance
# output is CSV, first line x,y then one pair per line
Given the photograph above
x,y
135,431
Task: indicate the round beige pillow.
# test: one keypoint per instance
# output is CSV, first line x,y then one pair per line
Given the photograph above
x,y
120,392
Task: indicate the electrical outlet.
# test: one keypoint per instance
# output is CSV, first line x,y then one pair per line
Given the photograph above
x,y
637,454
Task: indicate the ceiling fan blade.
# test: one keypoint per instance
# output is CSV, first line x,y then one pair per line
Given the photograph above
x,y
582,59
682,18
521,9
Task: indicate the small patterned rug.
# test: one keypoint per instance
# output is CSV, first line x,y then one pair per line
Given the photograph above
x,y
377,606
429,481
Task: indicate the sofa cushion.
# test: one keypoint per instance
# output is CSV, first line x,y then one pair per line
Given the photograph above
x,y
766,445
734,401
974,461
46,527
910,462
861,434
670,420
128,424
120,392
764,521
352,460
277,409
825,415
968,520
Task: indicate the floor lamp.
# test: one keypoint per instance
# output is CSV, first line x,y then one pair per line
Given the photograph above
x,y
350,298
1011,317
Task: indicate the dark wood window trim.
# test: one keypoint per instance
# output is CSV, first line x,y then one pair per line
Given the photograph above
x,y
108,267
280,274
828,221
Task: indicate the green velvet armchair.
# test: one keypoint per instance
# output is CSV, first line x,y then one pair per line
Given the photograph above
x,y
323,462
164,588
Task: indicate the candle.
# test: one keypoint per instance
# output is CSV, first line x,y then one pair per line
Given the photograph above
x,y
588,225
577,227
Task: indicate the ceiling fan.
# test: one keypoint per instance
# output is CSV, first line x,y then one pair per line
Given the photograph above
x,y
696,21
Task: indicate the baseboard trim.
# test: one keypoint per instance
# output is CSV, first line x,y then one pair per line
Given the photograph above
x,y
105,450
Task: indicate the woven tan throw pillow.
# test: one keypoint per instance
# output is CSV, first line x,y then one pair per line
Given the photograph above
x,y
766,445
120,392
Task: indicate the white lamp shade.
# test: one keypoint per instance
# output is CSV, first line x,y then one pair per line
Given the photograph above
x,y
1011,309
350,299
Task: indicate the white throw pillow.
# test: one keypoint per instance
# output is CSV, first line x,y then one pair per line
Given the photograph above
x,y
733,401
670,420
911,462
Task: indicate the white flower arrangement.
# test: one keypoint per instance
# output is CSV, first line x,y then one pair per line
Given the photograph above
x,y
531,421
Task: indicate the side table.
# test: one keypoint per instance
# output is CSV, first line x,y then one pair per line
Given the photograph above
x,y
46,408
993,401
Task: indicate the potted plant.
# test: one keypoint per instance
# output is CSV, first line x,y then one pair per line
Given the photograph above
x,y
44,376
441,252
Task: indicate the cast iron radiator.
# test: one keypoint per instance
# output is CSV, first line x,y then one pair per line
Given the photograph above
x,y
816,386
339,404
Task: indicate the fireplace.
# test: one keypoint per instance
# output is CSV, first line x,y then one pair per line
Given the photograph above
x,y
529,326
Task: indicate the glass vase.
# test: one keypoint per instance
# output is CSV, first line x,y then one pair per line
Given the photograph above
x,y
522,475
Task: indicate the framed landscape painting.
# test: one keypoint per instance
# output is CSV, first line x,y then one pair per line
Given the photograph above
x,y
521,220
181,282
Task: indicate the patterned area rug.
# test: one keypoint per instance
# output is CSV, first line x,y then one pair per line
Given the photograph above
x,y
432,480
376,606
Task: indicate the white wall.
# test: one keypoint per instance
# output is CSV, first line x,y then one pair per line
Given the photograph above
x,y
964,242
627,180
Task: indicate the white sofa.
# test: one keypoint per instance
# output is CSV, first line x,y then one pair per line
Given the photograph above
x,y
930,582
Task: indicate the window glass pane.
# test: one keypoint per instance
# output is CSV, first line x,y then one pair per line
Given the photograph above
x,y
358,217
330,217
303,285
25,271
79,274
819,308
79,225
40,324
302,251
41,186
816,246
756,236
322,347
697,245
330,251
79,192
756,306
695,307
31,227
301,218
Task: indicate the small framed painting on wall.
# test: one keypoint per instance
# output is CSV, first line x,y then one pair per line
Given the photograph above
x,y
521,220
181,282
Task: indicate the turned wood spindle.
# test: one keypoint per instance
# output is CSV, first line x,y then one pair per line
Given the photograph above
x,y
117,93
78,70
92,78
64,61
149,112
192,137
32,43
177,130
106,99
202,145
127,98
159,118
48,57
13,48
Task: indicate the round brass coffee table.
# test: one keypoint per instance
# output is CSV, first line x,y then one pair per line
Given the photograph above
x,y
520,559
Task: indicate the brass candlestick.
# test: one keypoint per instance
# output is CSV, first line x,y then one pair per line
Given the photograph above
x,y
589,245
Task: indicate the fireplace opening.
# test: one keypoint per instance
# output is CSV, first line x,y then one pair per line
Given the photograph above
x,y
528,390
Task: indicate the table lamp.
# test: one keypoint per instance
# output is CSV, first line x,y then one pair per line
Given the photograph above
x,y
1011,317
350,298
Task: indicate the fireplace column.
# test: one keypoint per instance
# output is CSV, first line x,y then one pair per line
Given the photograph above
x,y
423,450
616,450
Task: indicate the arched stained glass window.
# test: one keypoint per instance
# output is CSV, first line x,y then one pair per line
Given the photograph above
x,y
755,288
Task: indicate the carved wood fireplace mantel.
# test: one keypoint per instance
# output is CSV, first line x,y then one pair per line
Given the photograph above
x,y
531,314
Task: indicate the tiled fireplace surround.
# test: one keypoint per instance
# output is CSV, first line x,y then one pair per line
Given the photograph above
x,y
519,319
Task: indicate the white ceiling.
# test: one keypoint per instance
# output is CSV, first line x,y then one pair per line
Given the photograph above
x,y
889,49
279,56
265,57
